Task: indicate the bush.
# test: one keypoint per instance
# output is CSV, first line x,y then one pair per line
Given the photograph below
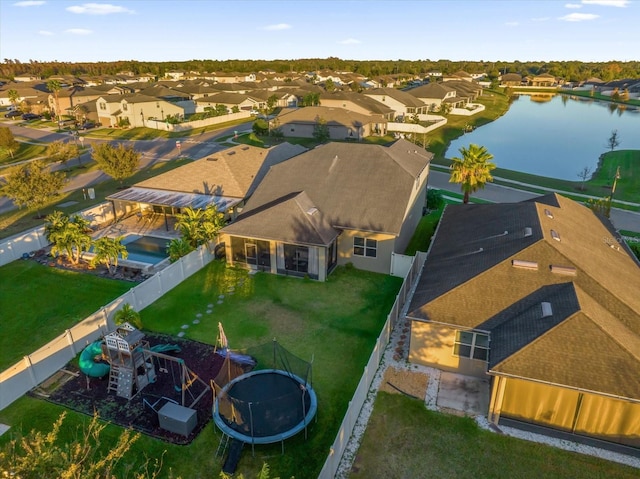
x,y
435,201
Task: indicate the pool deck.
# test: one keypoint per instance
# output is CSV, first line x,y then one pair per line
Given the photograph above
x,y
153,225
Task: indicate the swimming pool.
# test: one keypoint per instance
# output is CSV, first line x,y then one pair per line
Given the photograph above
x,y
146,249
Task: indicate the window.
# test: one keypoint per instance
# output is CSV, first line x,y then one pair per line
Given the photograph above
x,y
365,247
103,105
471,345
124,106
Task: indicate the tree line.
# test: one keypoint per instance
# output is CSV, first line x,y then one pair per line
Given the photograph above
x,y
567,70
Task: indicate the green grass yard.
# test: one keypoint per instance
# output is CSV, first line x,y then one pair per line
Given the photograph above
x,y
404,439
334,323
39,303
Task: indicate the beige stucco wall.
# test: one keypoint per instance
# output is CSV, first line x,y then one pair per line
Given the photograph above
x,y
413,214
380,264
432,345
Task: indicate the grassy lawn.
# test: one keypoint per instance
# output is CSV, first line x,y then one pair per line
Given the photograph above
x,y
334,323
38,303
25,151
404,439
424,231
19,220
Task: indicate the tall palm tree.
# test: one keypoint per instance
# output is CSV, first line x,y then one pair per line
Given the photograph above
x,y
473,170
54,87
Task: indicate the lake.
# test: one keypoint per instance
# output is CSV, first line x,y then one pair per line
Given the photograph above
x,y
554,136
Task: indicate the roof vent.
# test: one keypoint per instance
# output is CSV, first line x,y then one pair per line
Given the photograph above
x,y
311,211
518,263
245,148
555,235
548,213
546,309
528,231
231,153
212,158
568,270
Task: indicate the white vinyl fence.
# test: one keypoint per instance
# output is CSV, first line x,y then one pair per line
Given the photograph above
x,y
46,361
14,247
355,405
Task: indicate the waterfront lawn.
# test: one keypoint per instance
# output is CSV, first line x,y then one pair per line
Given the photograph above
x,y
404,439
334,323
39,303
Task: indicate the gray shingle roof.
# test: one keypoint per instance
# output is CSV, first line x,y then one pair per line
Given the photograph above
x,y
359,186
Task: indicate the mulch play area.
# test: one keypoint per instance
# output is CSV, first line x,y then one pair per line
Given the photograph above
x,y
73,389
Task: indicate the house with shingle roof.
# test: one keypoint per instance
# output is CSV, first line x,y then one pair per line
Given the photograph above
x,y
401,102
341,123
225,179
338,203
435,94
230,100
134,109
357,102
542,298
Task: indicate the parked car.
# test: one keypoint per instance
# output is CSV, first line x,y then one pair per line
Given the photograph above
x,y
31,116
86,125
13,114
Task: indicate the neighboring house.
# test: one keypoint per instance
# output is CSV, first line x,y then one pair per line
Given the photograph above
x,y
70,98
401,102
226,179
230,100
435,94
134,109
26,78
342,124
543,298
464,89
544,80
459,75
339,203
357,103
234,77
511,79
283,99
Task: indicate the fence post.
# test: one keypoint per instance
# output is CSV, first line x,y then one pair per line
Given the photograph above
x,y
70,340
27,360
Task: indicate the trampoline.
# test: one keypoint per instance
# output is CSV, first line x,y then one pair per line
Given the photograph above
x,y
265,406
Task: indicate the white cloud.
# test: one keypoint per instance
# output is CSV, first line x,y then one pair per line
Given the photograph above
x,y
579,17
573,5
512,24
98,9
29,3
278,26
46,33
79,31
607,3
350,41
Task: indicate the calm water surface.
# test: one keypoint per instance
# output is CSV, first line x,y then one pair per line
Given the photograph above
x,y
554,137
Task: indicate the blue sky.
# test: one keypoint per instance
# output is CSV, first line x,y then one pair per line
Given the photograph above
x,y
503,30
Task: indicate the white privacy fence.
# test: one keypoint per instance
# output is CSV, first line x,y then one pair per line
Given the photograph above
x,y
14,247
355,405
46,361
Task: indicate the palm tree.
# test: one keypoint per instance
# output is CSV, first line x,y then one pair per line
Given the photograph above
x,y
107,251
54,87
473,170
188,222
13,96
128,315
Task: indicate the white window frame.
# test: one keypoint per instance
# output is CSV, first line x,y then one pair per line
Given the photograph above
x,y
368,245
473,345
